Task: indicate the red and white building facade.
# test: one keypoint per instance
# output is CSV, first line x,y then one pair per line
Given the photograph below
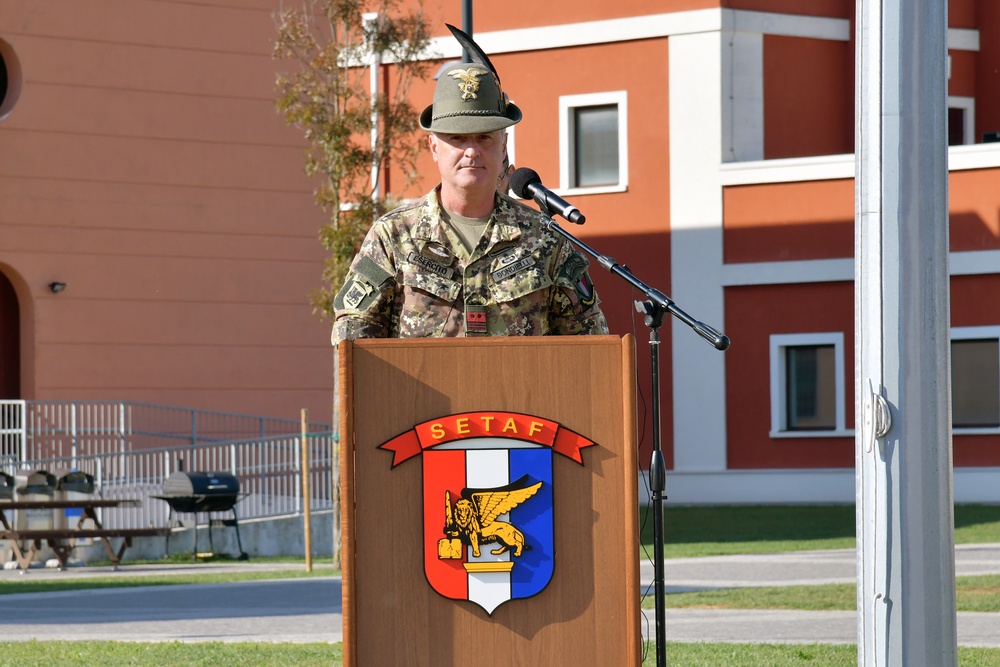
x,y
709,143
735,196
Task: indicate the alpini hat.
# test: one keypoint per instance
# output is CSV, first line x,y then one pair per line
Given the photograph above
x,y
468,98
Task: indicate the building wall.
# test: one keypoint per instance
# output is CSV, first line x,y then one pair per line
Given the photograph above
x,y
808,97
780,222
761,199
987,17
975,216
145,167
753,313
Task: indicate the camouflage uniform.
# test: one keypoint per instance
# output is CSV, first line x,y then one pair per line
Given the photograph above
x,y
414,278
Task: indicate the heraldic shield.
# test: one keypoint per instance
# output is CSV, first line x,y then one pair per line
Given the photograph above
x,y
488,516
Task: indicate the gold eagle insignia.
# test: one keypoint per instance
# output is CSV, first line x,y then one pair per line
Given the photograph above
x,y
473,519
468,81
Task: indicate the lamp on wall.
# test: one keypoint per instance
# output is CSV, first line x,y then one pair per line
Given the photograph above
x,y
57,287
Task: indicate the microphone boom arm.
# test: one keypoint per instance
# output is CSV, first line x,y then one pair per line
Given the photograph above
x,y
658,302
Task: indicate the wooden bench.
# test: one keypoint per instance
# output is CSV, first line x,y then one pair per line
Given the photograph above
x,y
62,542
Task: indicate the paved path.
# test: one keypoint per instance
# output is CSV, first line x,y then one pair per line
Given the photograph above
x,y
787,569
288,610
299,610
760,626
794,568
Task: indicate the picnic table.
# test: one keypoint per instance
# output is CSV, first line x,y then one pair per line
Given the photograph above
x,y
62,541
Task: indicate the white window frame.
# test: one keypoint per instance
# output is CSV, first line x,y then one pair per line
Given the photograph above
x,y
567,105
973,333
779,342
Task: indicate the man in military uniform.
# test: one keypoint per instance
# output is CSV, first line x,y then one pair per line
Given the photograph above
x,y
465,260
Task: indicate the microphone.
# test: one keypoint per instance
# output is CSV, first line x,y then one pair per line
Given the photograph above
x,y
526,183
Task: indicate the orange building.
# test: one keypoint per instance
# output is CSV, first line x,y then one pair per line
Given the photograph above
x,y
157,233
709,143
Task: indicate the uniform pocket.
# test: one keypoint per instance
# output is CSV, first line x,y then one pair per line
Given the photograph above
x,y
518,284
427,304
432,286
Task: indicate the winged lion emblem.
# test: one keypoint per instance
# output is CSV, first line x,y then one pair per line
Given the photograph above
x,y
473,519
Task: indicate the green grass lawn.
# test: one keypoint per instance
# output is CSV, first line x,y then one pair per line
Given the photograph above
x,y
742,529
973,593
209,654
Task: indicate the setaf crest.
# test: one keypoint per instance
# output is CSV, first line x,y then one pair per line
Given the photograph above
x,y
488,521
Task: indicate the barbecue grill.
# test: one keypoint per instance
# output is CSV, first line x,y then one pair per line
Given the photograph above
x,y
193,492
200,492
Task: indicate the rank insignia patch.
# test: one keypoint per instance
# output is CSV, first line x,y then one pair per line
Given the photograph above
x,y
475,319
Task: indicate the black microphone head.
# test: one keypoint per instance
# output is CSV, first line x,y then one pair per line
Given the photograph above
x,y
521,179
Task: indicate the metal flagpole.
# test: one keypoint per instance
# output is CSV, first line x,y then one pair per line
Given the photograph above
x,y
466,27
906,570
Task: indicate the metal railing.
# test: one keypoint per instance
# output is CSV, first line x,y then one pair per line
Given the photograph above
x,y
269,471
63,429
131,448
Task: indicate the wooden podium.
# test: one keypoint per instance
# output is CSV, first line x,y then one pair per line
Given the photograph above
x,y
406,405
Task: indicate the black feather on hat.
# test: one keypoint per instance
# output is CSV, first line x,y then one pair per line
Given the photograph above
x,y
470,46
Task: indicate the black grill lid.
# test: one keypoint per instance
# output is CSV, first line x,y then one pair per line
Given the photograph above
x,y
201,491
185,483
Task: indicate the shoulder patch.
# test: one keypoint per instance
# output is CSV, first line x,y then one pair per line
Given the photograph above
x,y
362,287
571,270
574,274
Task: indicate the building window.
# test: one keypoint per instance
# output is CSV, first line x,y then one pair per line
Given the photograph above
x,y
975,378
595,139
593,142
961,117
807,384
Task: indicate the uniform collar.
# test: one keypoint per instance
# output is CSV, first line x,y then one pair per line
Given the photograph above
x,y
429,227
505,223
507,220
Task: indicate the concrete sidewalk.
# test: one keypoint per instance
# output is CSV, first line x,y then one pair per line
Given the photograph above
x,y
801,568
805,568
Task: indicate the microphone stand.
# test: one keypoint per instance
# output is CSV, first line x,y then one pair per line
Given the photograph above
x,y
654,308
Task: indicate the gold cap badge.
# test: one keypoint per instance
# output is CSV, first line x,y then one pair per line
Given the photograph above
x,y
469,81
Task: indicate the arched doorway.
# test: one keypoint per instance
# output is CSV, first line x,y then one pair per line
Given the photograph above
x,y
10,340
